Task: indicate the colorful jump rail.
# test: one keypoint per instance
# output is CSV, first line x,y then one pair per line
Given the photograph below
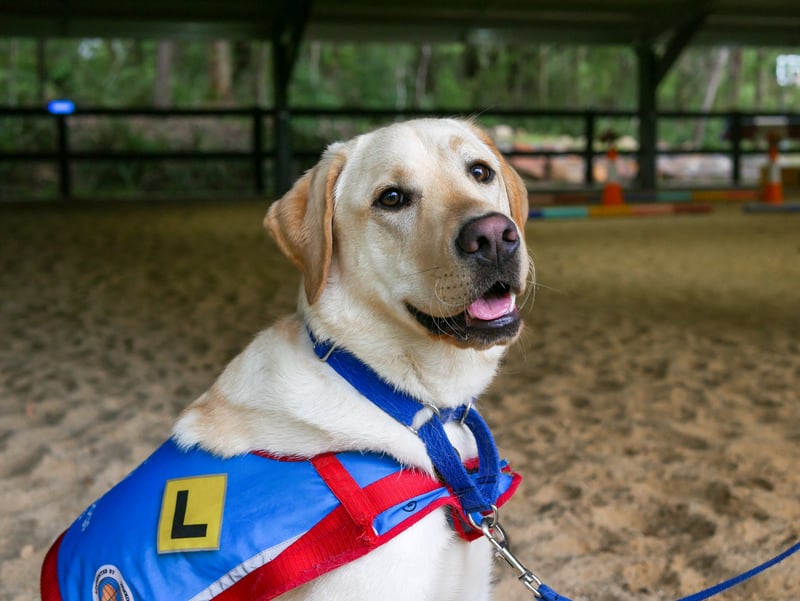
x,y
669,196
625,210
577,205
763,207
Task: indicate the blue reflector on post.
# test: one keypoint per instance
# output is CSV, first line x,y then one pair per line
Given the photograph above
x,y
61,107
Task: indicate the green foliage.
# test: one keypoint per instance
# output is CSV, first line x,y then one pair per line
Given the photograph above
x,y
449,77
368,76
182,179
117,72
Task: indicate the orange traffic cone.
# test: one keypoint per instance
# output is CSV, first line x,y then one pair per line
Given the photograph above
x,y
612,191
773,187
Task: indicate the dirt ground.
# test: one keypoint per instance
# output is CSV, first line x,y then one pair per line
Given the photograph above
x,y
651,405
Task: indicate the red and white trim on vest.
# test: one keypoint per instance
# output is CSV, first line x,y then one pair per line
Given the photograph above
x,y
342,536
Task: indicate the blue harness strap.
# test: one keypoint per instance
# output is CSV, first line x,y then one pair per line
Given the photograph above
x,y
476,495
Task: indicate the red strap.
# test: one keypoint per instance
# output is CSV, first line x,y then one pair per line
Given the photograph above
x,y
360,508
342,536
49,578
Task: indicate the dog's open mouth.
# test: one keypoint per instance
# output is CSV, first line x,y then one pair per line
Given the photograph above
x,y
492,318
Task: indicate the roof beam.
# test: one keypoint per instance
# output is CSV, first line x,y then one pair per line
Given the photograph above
x,y
622,22
680,39
652,70
286,39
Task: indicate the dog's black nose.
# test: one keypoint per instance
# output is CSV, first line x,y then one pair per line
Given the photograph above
x,y
491,238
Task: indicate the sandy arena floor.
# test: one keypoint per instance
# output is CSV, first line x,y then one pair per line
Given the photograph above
x,y
652,404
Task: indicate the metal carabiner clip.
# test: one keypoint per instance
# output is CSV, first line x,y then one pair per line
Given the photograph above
x,y
491,529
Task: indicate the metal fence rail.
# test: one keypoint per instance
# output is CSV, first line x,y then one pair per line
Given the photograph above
x,y
740,126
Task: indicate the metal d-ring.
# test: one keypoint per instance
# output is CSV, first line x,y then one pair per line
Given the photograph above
x,y
487,521
327,354
436,411
467,409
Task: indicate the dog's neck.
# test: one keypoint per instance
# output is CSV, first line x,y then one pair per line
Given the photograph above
x,y
269,396
279,397
435,371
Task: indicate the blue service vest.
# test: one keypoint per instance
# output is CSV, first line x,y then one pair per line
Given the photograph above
x,y
191,526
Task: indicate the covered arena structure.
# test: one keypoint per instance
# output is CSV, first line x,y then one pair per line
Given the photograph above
x,y
657,30
651,404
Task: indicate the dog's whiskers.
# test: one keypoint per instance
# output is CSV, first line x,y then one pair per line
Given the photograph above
x,y
443,324
546,287
420,272
530,293
437,296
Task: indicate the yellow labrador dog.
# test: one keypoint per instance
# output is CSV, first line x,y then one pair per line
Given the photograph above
x,y
410,240
411,243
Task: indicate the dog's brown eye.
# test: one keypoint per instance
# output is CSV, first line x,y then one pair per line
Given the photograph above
x,y
482,173
392,199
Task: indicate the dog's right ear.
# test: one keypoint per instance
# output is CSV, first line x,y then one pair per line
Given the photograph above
x,y
302,221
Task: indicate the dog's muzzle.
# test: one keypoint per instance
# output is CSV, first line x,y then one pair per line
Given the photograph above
x,y
489,249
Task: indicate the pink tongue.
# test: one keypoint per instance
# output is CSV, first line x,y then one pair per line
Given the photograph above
x,y
487,309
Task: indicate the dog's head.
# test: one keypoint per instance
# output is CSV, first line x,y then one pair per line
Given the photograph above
x,y
420,223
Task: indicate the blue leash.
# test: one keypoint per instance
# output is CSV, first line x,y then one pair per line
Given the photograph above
x,y
477,497
724,586
549,594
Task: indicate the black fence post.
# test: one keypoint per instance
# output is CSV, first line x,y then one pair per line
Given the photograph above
x,y
588,151
64,180
736,146
285,48
648,117
283,151
271,141
258,150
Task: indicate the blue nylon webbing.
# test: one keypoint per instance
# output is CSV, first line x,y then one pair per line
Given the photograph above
x,y
730,583
475,496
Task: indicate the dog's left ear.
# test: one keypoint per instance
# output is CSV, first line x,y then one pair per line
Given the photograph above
x,y
515,188
301,222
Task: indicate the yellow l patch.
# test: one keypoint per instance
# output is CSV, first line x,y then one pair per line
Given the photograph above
x,y
191,514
